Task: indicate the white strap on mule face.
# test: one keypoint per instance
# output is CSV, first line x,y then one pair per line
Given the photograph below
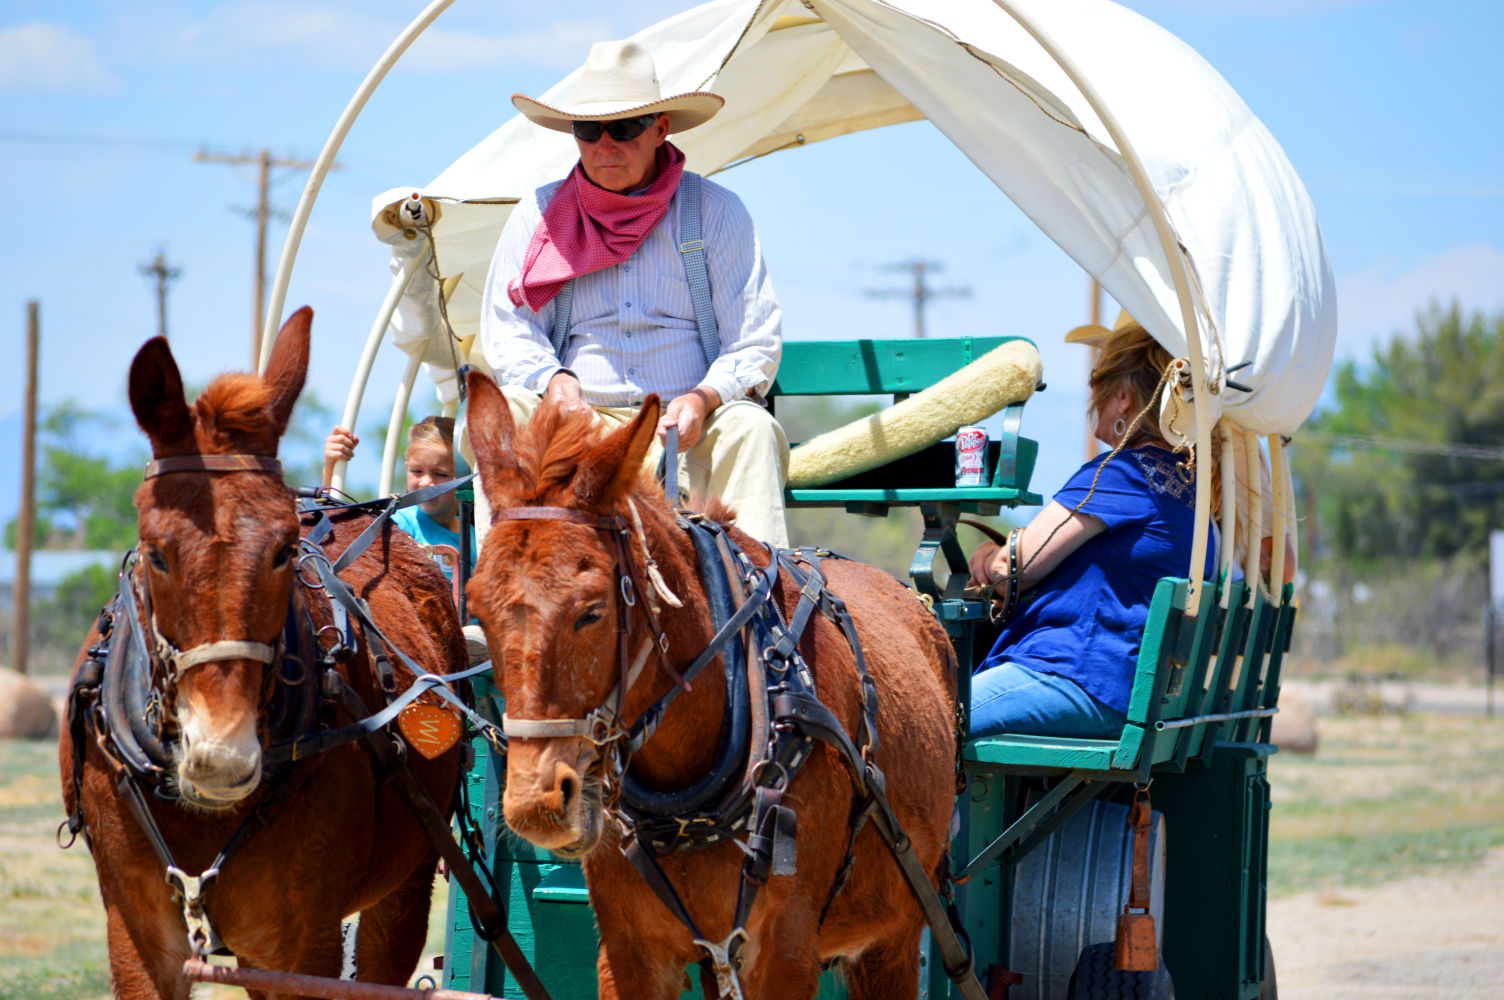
x,y
179,662
599,727
224,649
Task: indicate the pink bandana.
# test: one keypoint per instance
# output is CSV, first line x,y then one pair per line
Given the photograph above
x,y
586,228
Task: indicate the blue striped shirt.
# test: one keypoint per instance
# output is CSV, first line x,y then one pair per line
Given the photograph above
x,y
632,326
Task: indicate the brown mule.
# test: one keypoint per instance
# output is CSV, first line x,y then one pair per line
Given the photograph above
x,y
548,592
218,560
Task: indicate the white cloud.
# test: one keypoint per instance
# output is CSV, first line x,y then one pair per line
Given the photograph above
x,y
44,58
331,37
1376,303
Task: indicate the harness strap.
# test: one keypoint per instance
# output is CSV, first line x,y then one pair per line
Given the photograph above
x,y
647,723
212,463
365,538
949,936
595,727
490,920
224,649
671,467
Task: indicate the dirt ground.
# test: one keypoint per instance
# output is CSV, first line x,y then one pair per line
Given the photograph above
x,y
1433,928
1434,937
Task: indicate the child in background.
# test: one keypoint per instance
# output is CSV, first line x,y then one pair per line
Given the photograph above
x,y
430,460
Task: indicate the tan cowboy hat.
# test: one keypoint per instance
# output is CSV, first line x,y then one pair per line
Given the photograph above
x,y
620,81
1094,334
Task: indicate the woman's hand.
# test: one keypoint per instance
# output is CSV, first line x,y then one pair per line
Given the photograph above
x,y
1042,544
988,562
339,446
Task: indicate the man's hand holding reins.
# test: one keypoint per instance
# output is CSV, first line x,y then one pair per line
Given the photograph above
x,y
688,413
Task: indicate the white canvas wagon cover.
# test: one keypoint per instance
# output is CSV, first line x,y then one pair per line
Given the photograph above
x,y
799,71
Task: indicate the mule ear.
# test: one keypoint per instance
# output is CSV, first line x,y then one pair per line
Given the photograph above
x,y
614,465
156,393
491,428
288,366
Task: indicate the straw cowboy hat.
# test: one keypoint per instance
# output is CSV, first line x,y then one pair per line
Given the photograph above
x,y
1095,334
619,80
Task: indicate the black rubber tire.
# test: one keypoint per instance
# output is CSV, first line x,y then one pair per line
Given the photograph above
x,y
1268,989
1096,979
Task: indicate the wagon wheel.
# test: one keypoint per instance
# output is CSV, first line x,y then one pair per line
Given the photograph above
x,y
1268,989
1095,978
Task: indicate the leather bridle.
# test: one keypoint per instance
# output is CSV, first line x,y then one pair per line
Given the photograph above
x,y
176,661
602,726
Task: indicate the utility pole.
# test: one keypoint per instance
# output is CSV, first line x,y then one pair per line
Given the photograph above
x,y
26,522
1093,353
159,272
921,292
265,163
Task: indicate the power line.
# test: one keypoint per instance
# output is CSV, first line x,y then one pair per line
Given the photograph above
x,y
80,139
921,292
1479,452
266,163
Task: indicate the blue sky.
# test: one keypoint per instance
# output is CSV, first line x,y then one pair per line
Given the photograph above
x,y
1390,111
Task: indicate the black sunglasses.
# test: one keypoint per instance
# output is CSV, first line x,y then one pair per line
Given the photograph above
x,y
620,129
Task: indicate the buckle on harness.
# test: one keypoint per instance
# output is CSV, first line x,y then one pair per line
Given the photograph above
x,y
189,891
724,959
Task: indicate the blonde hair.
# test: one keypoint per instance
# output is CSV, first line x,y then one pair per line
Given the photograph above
x,y
1133,360
432,430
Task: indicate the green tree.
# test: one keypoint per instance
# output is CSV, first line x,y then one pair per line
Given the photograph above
x,y
1408,460
84,498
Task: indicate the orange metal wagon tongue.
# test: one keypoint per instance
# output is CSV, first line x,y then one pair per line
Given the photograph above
x,y
431,728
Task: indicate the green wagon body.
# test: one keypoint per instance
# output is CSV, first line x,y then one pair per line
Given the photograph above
x,y
1198,726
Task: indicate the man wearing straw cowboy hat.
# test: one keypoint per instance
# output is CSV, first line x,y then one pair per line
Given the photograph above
x,y
633,276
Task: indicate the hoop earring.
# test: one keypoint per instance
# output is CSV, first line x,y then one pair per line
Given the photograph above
x,y
1118,427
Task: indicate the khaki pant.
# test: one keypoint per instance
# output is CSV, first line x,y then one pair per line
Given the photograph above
x,y
742,457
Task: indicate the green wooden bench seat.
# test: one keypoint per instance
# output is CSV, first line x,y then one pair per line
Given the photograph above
x,y
1198,681
903,367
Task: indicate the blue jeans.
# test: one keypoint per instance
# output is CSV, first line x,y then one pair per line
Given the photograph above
x,y
1008,698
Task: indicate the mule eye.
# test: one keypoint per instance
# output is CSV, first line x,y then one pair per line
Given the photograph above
x,y
283,556
590,617
157,560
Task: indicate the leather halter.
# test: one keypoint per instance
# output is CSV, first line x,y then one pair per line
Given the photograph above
x,y
602,726
212,463
179,661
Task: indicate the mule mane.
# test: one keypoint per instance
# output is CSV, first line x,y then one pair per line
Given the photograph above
x,y
236,412
552,448
553,445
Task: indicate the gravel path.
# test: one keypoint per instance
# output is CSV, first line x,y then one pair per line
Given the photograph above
x,y
1432,937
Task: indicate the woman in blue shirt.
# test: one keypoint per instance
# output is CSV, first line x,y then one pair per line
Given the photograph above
x,y
1087,564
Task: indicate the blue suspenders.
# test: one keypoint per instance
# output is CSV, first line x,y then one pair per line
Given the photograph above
x,y
691,251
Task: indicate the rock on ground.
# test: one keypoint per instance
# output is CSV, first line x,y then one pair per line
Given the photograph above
x,y
26,711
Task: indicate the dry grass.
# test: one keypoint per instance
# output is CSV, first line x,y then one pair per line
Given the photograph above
x,y
52,940
1387,797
